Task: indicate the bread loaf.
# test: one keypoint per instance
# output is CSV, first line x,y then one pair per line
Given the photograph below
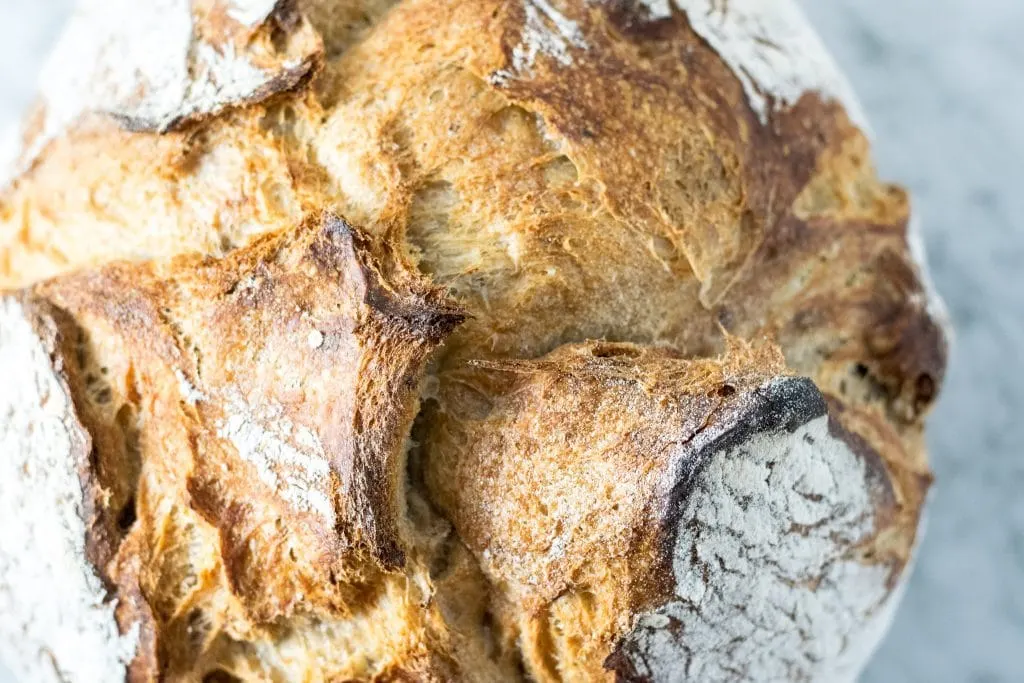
x,y
461,340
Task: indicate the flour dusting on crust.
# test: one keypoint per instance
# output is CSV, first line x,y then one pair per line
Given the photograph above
x,y
57,623
766,588
289,459
188,391
774,51
545,32
658,9
143,63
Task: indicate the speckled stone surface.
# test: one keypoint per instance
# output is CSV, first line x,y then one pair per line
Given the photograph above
x,y
943,83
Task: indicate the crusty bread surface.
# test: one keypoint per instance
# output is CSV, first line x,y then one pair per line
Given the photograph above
x,y
461,340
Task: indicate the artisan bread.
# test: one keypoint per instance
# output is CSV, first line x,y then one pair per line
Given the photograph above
x,y
463,340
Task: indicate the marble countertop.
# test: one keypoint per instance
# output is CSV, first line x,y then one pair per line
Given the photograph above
x,y
943,83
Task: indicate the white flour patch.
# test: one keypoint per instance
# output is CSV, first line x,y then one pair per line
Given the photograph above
x,y
141,61
774,51
250,12
545,32
656,9
188,390
289,459
57,624
765,590
315,339
227,77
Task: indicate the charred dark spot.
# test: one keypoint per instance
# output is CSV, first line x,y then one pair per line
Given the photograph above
x,y
435,324
806,320
341,248
197,627
626,656
226,244
908,348
334,245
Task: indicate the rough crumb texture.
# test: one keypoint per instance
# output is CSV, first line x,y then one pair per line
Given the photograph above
x,y
58,622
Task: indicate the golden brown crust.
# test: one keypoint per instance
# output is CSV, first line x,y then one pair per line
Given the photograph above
x,y
249,365
134,612
583,538
290,322
593,422
95,121
579,540
272,392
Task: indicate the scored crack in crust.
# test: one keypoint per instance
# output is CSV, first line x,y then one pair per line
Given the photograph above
x,y
326,336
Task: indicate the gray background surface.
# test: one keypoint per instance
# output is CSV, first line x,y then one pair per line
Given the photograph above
x,y
943,82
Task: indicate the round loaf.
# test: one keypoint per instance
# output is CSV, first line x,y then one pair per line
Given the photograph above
x,y
460,340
